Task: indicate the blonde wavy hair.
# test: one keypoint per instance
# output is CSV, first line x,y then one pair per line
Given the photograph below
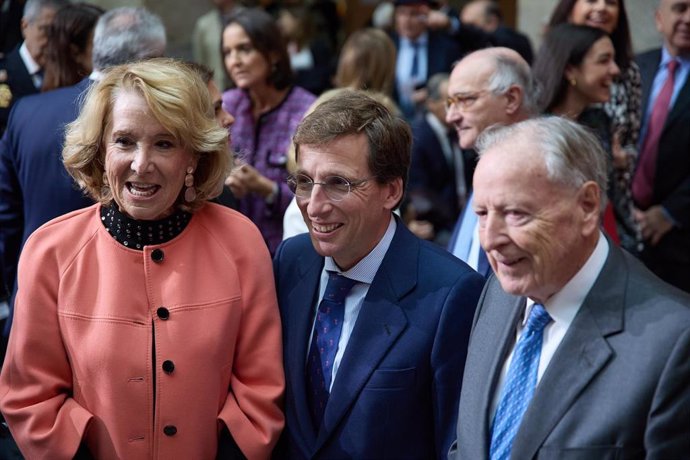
x,y
178,98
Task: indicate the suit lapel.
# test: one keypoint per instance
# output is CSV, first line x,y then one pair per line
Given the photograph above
x,y
648,68
21,79
302,299
499,339
435,55
378,326
583,353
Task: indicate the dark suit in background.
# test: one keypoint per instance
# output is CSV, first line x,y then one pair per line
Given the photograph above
x,y
433,187
11,12
15,82
441,50
670,258
34,185
395,391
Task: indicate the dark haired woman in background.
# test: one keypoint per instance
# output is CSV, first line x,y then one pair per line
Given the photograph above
x,y
267,108
624,105
575,68
70,40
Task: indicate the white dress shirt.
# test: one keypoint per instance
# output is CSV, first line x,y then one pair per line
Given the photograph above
x,y
562,307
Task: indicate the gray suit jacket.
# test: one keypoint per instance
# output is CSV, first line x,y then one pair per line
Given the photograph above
x,y
618,385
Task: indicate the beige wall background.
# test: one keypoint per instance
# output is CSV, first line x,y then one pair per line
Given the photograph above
x,y
179,17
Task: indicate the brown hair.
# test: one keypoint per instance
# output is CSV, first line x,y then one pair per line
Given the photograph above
x,y
69,34
367,61
355,112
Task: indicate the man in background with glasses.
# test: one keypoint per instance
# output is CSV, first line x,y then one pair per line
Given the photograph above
x,y
375,320
487,87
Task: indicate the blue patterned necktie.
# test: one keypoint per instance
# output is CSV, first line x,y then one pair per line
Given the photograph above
x,y
519,385
324,343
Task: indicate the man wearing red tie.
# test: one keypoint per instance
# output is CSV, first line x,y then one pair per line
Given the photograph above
x,y
661,185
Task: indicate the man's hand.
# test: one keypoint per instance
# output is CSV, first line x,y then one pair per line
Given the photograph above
x,y
653,224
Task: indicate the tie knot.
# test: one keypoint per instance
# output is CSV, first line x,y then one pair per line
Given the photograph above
x,y
538,319
672,66
338,287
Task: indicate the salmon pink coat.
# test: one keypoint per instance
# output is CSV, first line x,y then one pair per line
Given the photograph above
x,y
93,356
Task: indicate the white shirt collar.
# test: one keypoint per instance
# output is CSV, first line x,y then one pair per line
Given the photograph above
x,y
564,305
365,270
421,40
666,57
31,66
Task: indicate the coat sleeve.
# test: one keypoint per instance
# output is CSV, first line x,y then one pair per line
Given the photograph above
x,y
449,353
11,215
253,408
36,379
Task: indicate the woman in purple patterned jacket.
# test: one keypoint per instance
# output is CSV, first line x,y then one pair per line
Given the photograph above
x,y
267,108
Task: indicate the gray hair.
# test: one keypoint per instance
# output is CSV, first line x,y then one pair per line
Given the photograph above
x,y
33,8
509,72
125,35
433,86
572,153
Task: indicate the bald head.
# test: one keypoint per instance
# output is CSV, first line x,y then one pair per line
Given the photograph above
x,y
489,86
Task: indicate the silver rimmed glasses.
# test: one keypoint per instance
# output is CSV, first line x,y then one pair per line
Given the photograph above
x,y
336,188
463,101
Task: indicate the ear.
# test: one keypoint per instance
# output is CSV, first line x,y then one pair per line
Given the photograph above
x,y
394,193
589,202
24,24
514,95
569,73
194,161
657,20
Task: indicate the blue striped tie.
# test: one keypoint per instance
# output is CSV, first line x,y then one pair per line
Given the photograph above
x,y
519,385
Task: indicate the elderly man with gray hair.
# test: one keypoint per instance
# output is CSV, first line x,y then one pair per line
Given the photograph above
x,y
34,186
490,86
575,346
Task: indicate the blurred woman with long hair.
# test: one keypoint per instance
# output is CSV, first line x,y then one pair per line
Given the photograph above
x,y
70,41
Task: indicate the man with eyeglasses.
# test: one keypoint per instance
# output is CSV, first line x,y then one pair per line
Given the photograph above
x,y
487,87
375,320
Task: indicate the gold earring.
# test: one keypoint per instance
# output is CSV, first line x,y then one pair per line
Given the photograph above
x,y
190,192
573,82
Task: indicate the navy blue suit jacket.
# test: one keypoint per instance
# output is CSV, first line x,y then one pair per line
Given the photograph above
x,y
399,379
670,258
18,80
34,185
